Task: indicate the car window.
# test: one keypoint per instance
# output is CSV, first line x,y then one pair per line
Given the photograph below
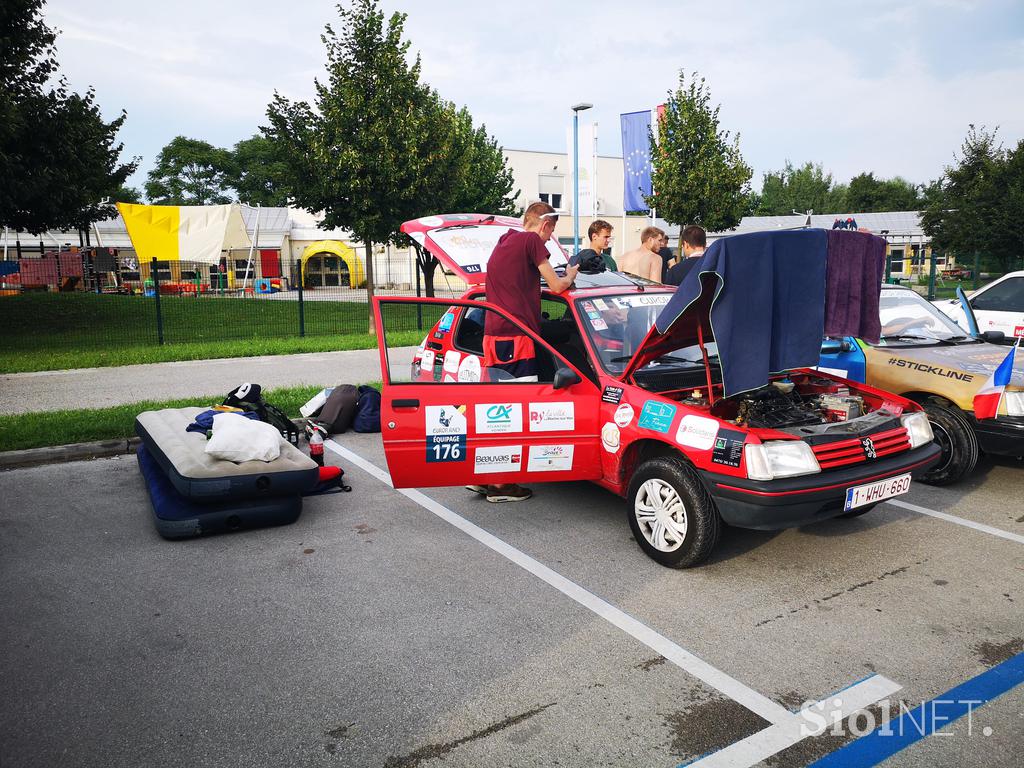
x,y
1007,296
453,349
908,318
618,324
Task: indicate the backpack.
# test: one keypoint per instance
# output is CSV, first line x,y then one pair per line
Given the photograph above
x,y
340,409
367,418
249,397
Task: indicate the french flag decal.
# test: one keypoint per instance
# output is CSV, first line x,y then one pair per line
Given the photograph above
x,y
986,402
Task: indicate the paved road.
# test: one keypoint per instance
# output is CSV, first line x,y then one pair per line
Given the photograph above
x,y
101,387
373,632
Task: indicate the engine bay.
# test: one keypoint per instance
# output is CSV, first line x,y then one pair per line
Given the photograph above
x,y
802,404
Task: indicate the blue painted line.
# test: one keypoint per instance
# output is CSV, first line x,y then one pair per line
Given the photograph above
x,y
911,727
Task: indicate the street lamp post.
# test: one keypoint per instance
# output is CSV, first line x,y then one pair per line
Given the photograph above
x,y
576,109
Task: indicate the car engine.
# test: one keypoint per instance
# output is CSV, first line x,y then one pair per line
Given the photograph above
x,y
782,405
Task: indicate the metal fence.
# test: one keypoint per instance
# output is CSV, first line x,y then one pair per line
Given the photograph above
x,y
97,298
70,300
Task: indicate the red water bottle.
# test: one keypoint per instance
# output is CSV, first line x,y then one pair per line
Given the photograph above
x,y
316,447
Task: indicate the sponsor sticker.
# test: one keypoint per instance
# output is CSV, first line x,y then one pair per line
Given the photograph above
x,y
588,306
451,361
427,361
624,414
599,324
550,458
469,368
446,433
610,437
594,315
503,458
894,408
657,416
697,432
728,449
552,417
498,418
611,395
1018,330
448,378
600,304
445,324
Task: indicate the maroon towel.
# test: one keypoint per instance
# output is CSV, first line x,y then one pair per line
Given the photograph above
x,y
853,282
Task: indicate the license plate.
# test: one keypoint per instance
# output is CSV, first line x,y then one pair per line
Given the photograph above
x,y
870,493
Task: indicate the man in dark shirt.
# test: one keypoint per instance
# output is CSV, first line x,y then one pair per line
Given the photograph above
x,y
694,241
514,271
593,259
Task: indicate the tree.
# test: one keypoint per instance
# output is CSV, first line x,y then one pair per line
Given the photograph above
x,y
870,195
975,205
800,189
699,175
189,172
59,160
378,147
257,173
127,195
464,169
354,156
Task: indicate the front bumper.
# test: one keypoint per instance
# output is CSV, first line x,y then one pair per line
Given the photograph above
x,y
792,502
1003,436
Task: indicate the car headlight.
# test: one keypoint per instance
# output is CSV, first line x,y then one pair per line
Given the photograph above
x,y
779,458
1014,403
919,430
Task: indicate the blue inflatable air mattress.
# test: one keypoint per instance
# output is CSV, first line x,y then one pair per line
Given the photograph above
x,y
179,518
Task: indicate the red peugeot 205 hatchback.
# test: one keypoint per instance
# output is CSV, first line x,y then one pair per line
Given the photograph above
x,y
642,412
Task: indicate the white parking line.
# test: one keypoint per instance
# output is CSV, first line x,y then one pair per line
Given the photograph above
x,y
811,720
720,681
958,520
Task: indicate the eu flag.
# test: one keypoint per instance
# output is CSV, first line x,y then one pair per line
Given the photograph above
x,y
636,159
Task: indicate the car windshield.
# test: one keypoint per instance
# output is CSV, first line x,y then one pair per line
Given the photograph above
x,y
908,319
618,324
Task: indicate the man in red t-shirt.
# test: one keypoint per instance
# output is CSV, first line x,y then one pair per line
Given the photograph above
x,y
514,271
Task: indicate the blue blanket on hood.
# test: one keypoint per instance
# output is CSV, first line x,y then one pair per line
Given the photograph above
x,y
769,307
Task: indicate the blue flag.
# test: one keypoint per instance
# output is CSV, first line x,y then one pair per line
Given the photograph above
x,y
636,159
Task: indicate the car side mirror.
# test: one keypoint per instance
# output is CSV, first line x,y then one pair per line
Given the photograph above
x,y
835,346
993,337
565,377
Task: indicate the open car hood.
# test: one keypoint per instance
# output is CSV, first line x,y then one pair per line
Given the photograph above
x,y
463,242
761,297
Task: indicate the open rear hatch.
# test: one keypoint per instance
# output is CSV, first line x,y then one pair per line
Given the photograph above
x,y
463,242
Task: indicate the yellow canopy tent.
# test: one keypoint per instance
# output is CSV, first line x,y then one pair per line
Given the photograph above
x,y
343,251
184,232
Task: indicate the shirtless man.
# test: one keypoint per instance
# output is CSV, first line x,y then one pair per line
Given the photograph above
x,y
645,261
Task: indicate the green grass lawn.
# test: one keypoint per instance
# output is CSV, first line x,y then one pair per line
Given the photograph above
x,y
48,331
37,430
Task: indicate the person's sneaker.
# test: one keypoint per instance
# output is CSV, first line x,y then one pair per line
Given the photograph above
x,y
481,489
497,494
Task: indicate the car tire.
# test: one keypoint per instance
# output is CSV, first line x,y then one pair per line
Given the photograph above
x,y
959,444
672,517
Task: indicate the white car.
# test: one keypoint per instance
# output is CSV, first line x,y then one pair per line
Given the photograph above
x,y
999,306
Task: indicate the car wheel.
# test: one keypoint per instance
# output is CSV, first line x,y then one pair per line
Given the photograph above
x,y
670,513
959,444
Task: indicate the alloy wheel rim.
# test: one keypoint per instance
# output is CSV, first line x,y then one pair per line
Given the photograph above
x,y
661,515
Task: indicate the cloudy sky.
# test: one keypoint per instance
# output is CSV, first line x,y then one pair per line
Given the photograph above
x,y
888,86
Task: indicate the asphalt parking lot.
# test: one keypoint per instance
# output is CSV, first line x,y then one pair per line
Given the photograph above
x,y
420,629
